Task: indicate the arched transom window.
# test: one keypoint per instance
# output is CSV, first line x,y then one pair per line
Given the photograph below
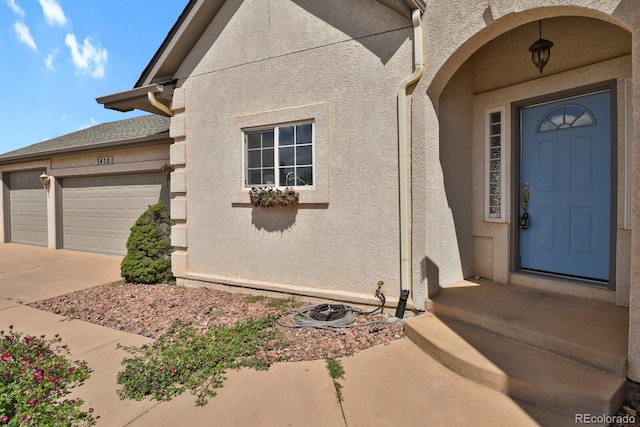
x,y
565,117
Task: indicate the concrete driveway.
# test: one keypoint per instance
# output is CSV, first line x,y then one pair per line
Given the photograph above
x,y
32,273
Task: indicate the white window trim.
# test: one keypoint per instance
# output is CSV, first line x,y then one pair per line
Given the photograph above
x,y
318,113
487,167
628,143
276,128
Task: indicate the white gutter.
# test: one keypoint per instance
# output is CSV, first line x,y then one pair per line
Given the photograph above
x,y
403,142
160,106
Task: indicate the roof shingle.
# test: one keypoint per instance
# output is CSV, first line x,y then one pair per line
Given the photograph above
x,y
119,131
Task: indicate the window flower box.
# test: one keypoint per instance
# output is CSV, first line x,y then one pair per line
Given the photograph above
x,y
267,197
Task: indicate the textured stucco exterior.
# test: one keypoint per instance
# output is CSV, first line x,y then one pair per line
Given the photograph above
x,y
478,56
341,64
292,66
300,61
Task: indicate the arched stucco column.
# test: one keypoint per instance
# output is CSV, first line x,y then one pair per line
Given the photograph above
x,y
426,188
634,294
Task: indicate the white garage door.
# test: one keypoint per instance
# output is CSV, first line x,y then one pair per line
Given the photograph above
x,y
98,212
28,208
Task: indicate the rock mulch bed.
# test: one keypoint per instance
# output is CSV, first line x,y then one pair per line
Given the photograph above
x,y
149,310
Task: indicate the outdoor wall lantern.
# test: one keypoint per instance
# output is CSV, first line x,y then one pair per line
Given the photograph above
x,y
166,172
46,182
540,51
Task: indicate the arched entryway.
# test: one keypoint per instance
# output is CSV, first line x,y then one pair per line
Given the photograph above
x,y
480,112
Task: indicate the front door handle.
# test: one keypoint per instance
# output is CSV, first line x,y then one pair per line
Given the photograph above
x,y
524,220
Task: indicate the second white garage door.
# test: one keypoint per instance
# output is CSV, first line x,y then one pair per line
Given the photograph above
x,y
98,212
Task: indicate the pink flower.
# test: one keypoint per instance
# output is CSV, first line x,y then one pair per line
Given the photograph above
x,y
4,419
31,401
90,410
71,369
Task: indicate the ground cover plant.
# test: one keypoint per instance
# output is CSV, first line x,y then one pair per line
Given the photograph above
x,y
148,258
184,359
336,372
36,375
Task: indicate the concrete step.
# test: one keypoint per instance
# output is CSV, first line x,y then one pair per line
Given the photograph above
x,y
516,369
546,416
590,332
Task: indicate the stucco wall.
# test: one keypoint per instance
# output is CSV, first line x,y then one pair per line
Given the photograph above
x,y
490,41
266,63
457,30
578,42
456,117
124,160
291,60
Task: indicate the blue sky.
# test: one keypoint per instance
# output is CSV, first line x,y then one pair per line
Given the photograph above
x,y
58,56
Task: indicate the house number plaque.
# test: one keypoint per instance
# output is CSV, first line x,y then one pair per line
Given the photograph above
x,y
104,160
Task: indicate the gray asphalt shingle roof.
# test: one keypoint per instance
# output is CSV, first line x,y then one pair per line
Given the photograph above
x,y
120,131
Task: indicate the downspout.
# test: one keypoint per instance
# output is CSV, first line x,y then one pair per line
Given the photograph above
x,y
403,142
160,106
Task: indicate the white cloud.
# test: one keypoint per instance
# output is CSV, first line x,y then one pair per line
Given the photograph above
x,y
17,9
24,35
53,12
48,60
64,117
89,59
92,122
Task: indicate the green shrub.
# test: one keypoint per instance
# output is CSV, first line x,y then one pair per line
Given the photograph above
x,y
36,374
148,258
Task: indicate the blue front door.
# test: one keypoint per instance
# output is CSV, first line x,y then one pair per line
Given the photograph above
x,y
566,165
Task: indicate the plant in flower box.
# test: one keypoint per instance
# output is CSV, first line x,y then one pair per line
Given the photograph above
x,y
273,197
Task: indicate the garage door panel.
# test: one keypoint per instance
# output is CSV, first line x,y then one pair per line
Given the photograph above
x,y
27,208
98,212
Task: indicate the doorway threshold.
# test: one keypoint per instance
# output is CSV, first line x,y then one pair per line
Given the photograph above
x,y
593,290
566,278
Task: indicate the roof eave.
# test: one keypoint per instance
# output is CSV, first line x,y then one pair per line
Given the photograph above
x,y
404,7
157,139
185,33
138,99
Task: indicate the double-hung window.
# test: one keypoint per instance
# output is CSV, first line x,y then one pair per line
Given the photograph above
x,y
279,156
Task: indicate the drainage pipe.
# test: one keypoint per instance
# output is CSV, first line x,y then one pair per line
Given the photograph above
x,y
403,142
160,106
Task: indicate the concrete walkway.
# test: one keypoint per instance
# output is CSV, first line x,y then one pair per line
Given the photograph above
x,y
389,385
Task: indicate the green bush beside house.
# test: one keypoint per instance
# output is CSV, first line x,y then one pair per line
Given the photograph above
x,y
148,258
